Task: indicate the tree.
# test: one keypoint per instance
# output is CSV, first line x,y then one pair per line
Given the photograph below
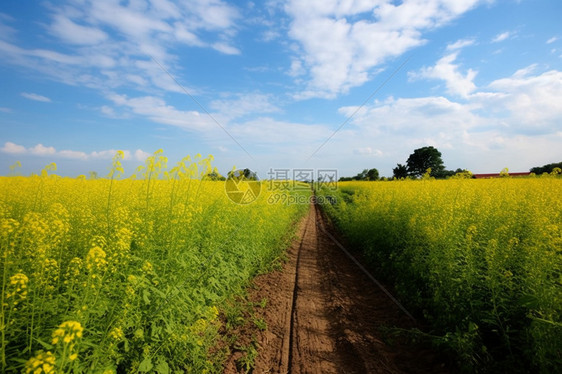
x,y
372,174
400,171
243,174
365,175
548,168
425,158
214,176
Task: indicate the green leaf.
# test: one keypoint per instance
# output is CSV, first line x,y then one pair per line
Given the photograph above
x,y
45,345
145,295
162,367
529,301
146,365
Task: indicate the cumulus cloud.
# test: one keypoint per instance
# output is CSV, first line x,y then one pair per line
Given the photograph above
x,y
12,148
342,41
49,151
41,150
533,101
512,121
156,109
457,83
141,155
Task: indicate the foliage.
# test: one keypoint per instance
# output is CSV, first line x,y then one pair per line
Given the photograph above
x,y
481,260
109,275
400,171
548,168
365,175
425,158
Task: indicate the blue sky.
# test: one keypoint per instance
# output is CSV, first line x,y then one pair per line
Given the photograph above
x,y
264,84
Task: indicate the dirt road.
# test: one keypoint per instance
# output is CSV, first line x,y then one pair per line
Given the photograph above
x,y
325,316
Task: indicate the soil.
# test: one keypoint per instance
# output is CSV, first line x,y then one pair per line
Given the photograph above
x,y
324,315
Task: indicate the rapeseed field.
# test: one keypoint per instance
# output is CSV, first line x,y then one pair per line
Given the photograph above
x,y
479,260
127,274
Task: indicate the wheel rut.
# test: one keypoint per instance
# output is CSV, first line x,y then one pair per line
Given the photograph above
x,y
324,315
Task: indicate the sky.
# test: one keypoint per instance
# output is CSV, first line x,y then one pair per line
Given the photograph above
x,y
274,85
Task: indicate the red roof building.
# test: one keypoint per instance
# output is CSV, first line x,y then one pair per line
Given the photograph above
x,y
497,175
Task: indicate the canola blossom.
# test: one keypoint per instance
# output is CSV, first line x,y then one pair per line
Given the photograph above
x,y
479,260
128,274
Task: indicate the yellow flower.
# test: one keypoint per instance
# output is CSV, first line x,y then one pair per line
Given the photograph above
x,y
19,280
8,225
147,267
43,362
95,259
17,287
68,331
116,333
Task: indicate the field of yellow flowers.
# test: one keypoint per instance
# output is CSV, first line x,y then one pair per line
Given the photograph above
x,y
480,260
127,275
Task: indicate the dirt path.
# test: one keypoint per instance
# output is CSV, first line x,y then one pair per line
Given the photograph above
x,y
325,316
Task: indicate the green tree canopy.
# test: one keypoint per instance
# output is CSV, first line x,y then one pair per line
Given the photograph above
x,y
365,175
425,158
400,171
546,168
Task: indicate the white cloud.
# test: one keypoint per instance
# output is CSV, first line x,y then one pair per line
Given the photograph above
x,y
501,37
141,155
552,40
459,44
41,150
243,104
5,110
532,101
13,148
269,132
512,121
156,109
49,151
109,154
296,68
457,83
36,97
226,49
368,151
77,155
342,41
72,33
110,44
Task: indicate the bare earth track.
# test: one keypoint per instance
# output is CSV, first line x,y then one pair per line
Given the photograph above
x,y
325,316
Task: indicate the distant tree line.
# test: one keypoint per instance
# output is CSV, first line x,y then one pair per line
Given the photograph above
x,y
427,161
365,175
421,161
548,168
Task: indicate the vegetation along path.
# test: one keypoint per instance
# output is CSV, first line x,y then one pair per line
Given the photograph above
x,y
324,315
